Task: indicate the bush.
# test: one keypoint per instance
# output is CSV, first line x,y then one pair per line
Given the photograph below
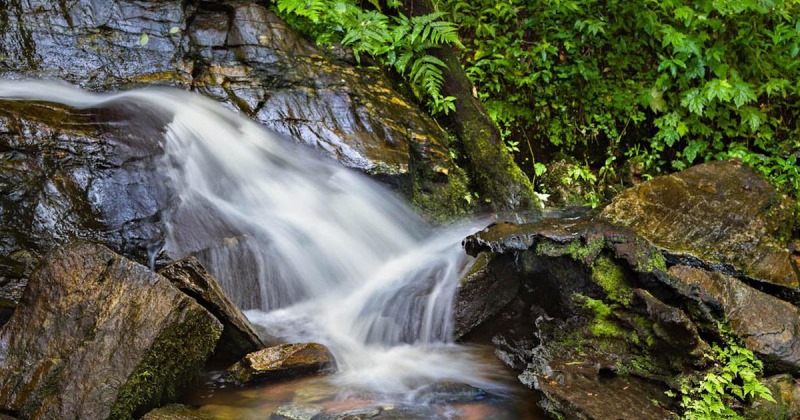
x,y
663,84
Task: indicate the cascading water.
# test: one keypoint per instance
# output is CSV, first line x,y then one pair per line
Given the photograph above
x,y
313,250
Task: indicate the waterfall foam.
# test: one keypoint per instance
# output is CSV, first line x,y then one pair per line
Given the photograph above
x,y
312,249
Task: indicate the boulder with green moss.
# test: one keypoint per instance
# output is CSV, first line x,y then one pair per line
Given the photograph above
x,y
620,302
100,336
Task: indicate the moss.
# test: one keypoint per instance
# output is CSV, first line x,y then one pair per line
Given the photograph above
x,y
579,251
650,259
174,360
600,325
611,277
441,202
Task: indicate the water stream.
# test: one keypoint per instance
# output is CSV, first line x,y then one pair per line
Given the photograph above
x,y
311,250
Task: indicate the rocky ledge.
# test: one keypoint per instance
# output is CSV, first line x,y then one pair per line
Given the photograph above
x,y
610,311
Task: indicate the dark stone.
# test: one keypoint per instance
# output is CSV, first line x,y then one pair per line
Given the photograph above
x,y
482,292
99,336
768,326
577,390
281,362
177,412
58,170
722,213
239,53
238,335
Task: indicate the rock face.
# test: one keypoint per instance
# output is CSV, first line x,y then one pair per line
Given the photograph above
x,y
613,309
66,174
722,213
483,292
99,336
769,326
237,52
238,336
282,361
58,171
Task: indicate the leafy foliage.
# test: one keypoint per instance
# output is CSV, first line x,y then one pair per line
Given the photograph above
x,y
393,39
733,380
661,84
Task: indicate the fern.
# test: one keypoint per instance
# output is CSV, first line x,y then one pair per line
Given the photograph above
x,y
396,41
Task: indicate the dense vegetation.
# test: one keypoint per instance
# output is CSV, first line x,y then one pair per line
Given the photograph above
x,y
617,89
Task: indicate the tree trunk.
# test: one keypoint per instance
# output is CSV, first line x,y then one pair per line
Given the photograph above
x,y
491,167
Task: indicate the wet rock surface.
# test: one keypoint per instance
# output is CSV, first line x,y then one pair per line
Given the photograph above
x,y
721,213
482,292
58,171
67,174
238,335
100,336
237,52
281,362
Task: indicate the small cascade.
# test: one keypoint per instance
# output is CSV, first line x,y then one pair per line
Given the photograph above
x,y
312,250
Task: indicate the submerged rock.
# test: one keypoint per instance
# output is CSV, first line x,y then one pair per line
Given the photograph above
x,y
281,362
238,335
718,214
99,336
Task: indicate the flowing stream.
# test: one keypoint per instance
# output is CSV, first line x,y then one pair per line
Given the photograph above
x,y
311,250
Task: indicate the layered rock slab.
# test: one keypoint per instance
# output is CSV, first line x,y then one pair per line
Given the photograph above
x,y
238,335
282,361
99,336
723,213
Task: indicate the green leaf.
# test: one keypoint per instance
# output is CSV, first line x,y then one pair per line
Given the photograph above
x,y
174,30
742,93
144,39
694,101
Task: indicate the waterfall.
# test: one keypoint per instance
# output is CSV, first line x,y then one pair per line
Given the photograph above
x,y
312,250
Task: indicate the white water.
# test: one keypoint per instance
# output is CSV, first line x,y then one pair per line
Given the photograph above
x,y
313,250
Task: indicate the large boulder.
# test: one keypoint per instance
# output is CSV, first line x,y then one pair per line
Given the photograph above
x,y
100,336
608,300
66,175
722,213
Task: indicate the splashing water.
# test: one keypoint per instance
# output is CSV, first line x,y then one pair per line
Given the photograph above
x,y
312,249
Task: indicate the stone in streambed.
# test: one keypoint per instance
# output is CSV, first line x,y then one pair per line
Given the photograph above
x,y
99,336
238,336
282,361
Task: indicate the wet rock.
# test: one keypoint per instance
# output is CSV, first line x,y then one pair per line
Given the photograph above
x,y
177,412
238,335
295,411
99,336
576,390
58,172
723,214
282,361
355,414
482,292
239,53
768,326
